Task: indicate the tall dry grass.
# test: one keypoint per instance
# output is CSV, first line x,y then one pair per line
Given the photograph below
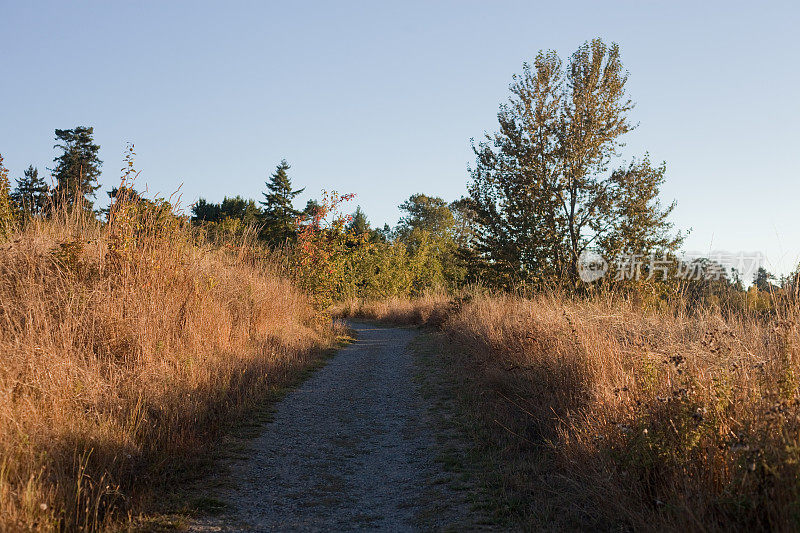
x,y
672,419
127,348
430,309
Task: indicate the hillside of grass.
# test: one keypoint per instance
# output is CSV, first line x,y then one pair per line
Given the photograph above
x,y
129,348
609,413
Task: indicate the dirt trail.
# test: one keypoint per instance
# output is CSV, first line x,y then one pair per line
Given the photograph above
x,y
354,447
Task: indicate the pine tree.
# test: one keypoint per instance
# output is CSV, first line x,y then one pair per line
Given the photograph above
x,y
6,205
31,193
78,167
205,211
280,217
311,211
359,224
235,207
763,280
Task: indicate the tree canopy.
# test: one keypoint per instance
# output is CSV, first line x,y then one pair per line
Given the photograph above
x,y
31,193
6,205
77,168
280,216
541,192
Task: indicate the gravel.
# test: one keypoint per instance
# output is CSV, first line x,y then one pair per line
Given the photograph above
x,y
353,448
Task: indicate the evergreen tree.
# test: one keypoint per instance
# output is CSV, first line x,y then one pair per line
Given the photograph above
x,y
232,208
384,234
280,217
205,211
763,280
793,284
242,209
31,193
359,223
78,167
312,210
7,208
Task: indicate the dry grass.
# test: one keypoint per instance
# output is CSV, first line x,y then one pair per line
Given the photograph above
x,y
431,309
670,419
127,350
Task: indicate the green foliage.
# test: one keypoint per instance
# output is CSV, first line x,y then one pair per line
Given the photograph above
x,y
635,221
6,205
359,223
312,210
31,194
232,218
431,232
428,213
380,269
322,250
541,193
232,215
77,168
763,280
280,217
338,257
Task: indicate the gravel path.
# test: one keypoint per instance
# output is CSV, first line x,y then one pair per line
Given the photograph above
x,y
354,447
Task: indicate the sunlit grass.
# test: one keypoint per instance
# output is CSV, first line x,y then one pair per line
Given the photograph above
x,y
127,348
670,419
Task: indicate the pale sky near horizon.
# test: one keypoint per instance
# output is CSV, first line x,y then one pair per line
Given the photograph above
x,y
381,99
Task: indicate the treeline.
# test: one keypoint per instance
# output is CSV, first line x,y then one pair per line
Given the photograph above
x,y
548,204
546,196
73,185
336,255
74,179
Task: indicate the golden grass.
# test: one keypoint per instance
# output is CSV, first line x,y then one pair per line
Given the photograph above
x,y
127,349
670,419
429,309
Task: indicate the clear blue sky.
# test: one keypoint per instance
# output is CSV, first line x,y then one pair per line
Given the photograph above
x,y
381,99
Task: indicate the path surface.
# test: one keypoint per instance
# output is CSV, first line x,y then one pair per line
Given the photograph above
x,y
354,447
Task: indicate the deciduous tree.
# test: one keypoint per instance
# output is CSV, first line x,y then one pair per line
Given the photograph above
x,y
542,192
636,222
428,229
